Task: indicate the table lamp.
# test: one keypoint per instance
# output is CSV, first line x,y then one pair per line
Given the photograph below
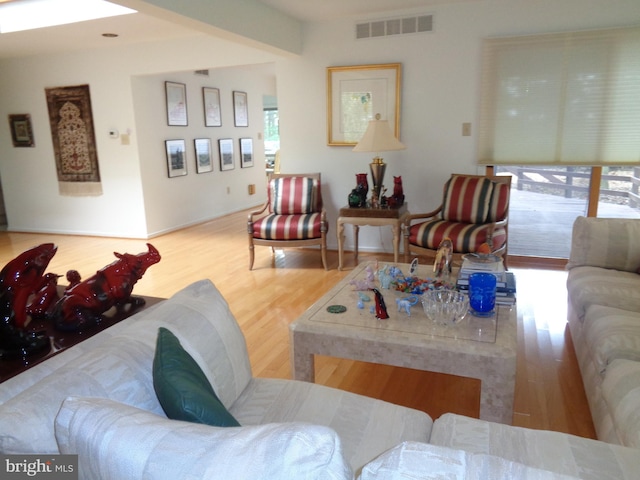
x,y
378,138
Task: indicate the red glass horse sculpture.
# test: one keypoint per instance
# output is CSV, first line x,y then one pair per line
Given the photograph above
x,y
84,302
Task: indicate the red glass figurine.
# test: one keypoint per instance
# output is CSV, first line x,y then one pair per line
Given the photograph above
x,y
84,303
381,308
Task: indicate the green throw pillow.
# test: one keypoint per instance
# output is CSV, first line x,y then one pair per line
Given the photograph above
x,y
182,387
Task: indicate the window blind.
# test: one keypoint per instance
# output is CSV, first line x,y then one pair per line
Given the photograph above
x,y
569,99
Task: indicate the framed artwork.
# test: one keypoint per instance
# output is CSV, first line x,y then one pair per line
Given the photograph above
x,y
356,94
21,132
176,158
176,94
212,114
240,109
203,155
246,152
225,147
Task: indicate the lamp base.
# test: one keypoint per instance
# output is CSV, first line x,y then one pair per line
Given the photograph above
x,y
378,168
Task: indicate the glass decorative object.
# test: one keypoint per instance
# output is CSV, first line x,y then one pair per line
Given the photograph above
x,y
482,293
445,307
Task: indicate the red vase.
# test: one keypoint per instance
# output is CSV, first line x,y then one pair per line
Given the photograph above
x,y
361,179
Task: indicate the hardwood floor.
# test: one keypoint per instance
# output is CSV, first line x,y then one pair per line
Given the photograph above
x,y
549,391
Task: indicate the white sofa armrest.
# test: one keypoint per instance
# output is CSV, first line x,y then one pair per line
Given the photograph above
x,y
605,242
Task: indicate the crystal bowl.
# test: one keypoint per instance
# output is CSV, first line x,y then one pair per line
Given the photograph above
x,y
445,307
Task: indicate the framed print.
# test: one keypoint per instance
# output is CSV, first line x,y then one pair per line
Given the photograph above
x,y
203,155
176,158
225,146
211,100
355,95
246,152
240,109
176,94
21,132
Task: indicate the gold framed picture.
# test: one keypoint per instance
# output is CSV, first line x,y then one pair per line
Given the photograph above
x,y
355,94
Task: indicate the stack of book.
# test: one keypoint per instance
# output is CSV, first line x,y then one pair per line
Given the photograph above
x,y
506,281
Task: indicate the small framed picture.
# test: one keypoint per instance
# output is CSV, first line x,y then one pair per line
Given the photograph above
x,y
176,94
240,109
225,146
203,155
21,132
246,152
176,158
212,114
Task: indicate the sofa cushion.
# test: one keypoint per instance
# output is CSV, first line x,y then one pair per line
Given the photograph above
x,y
466,237
366,426
547,450
602,286
466,199
182,388
201,319
605,242
499,204
621,391
118,369
116,441
611,333
421,461
294,195
121,367
288,227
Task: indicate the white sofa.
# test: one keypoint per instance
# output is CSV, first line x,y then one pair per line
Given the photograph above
x,y
97,400
604,318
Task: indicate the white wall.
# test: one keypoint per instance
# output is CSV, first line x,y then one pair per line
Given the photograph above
x,y
127,93
180,201
439,92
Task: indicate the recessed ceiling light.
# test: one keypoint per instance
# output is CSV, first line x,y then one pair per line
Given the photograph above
x,y
18,16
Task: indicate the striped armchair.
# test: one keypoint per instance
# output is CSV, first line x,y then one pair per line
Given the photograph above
x,y
293,215
474,211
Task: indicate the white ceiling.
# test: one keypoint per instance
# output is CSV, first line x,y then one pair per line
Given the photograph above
x,y
136,28
318,10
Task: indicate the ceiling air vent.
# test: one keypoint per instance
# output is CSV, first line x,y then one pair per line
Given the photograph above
x,y
204,73
395,26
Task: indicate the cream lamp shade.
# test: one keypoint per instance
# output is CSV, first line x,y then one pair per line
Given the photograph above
x,y
378,138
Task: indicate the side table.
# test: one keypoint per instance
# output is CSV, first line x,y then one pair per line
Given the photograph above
x,y
376,217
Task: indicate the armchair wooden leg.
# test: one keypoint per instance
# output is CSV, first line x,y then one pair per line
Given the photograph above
x,y
251,256
323,251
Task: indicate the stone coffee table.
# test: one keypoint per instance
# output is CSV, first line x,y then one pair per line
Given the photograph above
x,y
481,348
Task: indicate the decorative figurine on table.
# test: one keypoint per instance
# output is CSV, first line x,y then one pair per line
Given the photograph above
x,y
363,185
384,277
84,303
398,193
367,283
45,298
381,308
406,304
375,200
444,255
358,196
22,284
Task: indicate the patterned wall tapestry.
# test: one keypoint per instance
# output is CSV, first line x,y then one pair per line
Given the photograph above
x,y
74,142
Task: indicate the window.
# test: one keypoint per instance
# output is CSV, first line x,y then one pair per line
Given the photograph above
x,y
570,99
271,136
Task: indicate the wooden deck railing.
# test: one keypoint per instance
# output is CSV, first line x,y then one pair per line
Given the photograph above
x,y
563,180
